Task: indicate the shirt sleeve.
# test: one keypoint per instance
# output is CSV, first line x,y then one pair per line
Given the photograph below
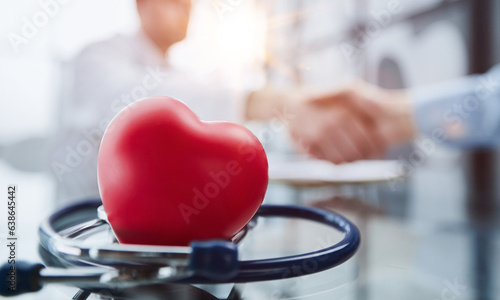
x,y
464,112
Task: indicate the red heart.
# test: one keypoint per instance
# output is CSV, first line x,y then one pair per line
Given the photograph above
x,y
167,178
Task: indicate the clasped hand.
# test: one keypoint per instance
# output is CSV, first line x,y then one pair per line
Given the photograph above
x,y
358,121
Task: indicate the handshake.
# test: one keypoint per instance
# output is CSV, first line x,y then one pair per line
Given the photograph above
x,y
359,121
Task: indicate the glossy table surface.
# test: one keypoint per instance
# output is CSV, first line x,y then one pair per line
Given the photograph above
x,y
419,240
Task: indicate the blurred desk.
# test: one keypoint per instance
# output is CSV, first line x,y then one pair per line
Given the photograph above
x,y
300,172
417,241
362,178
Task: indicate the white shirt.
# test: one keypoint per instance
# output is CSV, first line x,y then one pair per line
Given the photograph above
x,y
107,76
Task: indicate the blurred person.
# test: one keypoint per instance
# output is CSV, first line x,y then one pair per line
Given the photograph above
x,y
463,113
111,74
343,125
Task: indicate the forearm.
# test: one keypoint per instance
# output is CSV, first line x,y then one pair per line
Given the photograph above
x,y
272,102
464,111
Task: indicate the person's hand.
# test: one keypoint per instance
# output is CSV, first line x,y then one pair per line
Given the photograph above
x,y
357,122
396,121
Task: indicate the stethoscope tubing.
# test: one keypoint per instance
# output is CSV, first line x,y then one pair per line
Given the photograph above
x,y
205,262
256,270
303,264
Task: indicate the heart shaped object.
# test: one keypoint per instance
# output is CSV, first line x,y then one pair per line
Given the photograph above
x,y
168,178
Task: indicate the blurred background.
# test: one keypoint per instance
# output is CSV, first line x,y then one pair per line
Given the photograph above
x,y
433,236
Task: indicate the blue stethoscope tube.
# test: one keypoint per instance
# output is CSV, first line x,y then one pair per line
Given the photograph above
x,y
206,262
303,264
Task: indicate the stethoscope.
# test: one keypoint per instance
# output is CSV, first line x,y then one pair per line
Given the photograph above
x,y
101,263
